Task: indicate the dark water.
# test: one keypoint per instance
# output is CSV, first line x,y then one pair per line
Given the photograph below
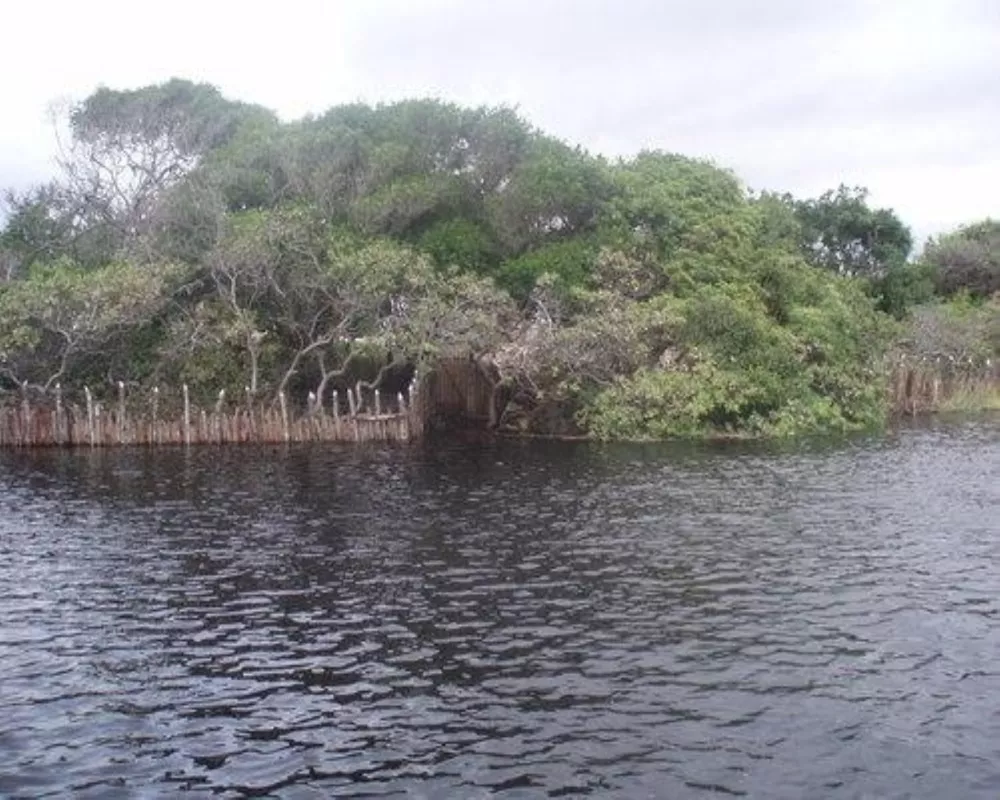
x,y
526,620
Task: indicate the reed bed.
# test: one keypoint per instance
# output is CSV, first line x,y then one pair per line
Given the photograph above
x,y
927,385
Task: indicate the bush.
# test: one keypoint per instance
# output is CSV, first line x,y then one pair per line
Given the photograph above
x,y
814,365
961,330
904,286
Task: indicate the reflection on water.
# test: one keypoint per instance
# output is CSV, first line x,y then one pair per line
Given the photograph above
x,y
532,620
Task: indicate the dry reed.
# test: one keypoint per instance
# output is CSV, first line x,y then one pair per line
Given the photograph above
x,y
926,385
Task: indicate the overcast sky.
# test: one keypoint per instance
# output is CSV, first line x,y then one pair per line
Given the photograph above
x,y
901,96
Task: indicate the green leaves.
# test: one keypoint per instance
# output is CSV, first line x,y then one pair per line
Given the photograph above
x,y
189,118
461,243
61,314
783,351
554,193
671,204
841,233
570,263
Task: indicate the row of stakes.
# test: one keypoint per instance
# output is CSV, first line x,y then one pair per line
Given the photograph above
x,y
314,405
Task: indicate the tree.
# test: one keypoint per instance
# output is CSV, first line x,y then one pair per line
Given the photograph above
x,y
404,208
322,295
462,243
37,228
842,233
777,221
687,216
61,314
554,193
323,165
967,259
127,147
187,220
483,146
47,223
569,261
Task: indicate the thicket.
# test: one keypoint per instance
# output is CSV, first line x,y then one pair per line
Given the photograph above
x,y
192,239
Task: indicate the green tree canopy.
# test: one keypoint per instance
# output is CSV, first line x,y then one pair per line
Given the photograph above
x,y
842,233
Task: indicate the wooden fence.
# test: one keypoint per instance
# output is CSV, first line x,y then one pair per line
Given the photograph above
x,y
156,419
454,389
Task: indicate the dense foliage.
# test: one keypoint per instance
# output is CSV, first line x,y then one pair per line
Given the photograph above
x,y
193,239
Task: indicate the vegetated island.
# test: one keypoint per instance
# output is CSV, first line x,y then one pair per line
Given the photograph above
x,y
197,251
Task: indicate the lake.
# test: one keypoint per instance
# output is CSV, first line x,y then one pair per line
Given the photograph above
x,y
512,619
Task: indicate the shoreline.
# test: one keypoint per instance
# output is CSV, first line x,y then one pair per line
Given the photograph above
x,y
154,418
352,439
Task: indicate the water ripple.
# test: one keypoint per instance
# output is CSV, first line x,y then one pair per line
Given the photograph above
x,y
520,620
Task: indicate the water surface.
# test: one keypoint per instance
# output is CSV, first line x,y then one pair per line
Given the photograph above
x,y
518,620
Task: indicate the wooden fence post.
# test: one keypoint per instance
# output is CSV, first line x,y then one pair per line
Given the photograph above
x,y
90,414
404,418
336,415
415,421
29,439
59,415
353,402
154,438
218,414
286,431
121,412
249,399
187,416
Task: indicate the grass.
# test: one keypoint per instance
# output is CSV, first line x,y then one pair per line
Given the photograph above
x,y
984,397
